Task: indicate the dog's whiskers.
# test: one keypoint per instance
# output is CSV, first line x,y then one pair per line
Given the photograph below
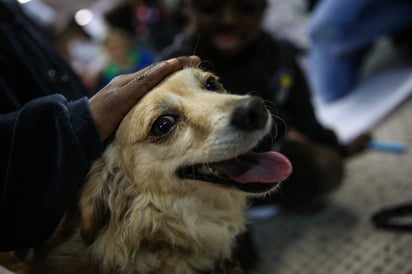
x,y
195,49
196,45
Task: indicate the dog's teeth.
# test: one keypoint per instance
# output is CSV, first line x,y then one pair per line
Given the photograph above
x,y
214,172
206,169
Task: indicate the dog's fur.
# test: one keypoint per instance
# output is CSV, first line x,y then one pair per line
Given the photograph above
x,y
137,214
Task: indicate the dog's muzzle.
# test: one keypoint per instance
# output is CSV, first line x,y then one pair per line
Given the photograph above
x,y
250,172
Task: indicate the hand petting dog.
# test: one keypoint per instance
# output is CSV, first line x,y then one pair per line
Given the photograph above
x,y
113,102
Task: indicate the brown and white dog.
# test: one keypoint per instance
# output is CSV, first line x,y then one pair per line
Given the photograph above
x,y
169,193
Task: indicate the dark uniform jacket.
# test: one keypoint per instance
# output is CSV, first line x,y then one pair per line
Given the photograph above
x,y
47,135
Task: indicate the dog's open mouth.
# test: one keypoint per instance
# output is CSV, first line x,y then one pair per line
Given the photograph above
x,y
250,172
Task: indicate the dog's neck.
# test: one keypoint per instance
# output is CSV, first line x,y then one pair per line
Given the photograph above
x,y
190,234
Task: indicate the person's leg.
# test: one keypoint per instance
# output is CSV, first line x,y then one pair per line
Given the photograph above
x,y
341,33
332,77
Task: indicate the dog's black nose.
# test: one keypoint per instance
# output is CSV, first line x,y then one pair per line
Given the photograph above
x,y
250,115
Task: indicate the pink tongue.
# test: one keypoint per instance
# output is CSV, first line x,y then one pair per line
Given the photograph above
x,y
267,167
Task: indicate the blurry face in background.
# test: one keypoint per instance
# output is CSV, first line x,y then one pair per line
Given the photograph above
x,y
228,26
118,46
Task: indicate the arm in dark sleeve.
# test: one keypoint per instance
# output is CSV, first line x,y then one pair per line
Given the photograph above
x,y
46,150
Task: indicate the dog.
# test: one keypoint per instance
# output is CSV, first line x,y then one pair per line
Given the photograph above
x,y
170,191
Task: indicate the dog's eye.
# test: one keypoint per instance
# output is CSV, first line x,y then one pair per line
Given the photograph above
x,y
163,125
212,84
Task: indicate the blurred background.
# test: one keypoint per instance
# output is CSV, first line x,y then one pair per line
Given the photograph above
x,y
92,35
83,30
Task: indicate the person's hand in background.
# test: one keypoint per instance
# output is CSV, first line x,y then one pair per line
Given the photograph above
x,y
358,145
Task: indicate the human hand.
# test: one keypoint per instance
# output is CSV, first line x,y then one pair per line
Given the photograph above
x,y
296,136
357,145
109,105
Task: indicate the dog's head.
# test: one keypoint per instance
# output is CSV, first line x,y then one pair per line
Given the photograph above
x,y
189,133
190,129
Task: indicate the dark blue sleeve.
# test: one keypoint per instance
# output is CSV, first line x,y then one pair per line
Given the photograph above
x,y
46,150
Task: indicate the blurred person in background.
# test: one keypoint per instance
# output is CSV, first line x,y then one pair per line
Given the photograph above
x,y
151,22
343,32
123,56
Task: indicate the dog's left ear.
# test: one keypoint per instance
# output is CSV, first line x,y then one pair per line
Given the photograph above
x,y
94,211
